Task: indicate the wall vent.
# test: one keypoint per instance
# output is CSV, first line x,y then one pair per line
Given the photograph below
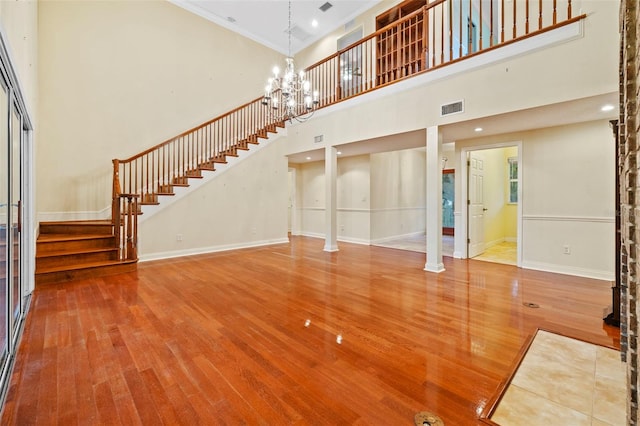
x,y
318,139
452,108
325,7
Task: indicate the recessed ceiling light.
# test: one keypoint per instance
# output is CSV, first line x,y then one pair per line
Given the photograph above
x,y
339,152
308,158
478,129
607,107
314,23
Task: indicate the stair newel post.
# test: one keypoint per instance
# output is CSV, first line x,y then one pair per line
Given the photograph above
x,y
132,227
115,205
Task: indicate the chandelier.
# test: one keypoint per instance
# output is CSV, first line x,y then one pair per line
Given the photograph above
x,y
289,96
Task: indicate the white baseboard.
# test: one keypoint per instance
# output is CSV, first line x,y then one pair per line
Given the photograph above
x,y
569,270
340,238
394,237
354,240
211,249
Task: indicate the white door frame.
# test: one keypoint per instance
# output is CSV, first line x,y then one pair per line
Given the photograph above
x,y
461,245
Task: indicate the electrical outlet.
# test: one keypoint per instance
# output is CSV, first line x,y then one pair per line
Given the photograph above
x,y
179,237
567,249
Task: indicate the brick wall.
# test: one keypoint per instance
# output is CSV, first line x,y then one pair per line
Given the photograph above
x,y
629,197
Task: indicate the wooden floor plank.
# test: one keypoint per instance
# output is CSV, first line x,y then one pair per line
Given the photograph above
x,y
221,338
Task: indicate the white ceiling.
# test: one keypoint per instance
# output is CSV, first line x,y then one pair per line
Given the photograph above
x,y
266,21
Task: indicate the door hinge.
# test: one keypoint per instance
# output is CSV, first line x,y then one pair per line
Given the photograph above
x,y
468,240
468,202
468,163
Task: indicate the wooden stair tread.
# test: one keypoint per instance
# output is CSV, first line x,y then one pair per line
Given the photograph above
x,y
74,252
71,237
87,265
78,222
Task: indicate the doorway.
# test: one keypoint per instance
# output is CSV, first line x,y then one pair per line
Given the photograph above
x,y
493,214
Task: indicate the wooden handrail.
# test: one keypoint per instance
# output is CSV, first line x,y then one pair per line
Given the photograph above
x,y
429,38
186,132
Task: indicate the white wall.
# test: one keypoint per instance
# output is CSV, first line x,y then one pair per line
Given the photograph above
x,y
19,22
118,77
244,206
379,196
567,197
398,194
311,198
353,188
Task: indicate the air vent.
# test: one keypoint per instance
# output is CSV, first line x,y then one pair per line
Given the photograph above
x,y
326,7
318,139
298,33
452,108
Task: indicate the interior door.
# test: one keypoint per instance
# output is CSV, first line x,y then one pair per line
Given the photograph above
x,y
476,204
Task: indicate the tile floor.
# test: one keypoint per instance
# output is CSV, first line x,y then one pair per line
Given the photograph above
x,y
505,252
563,381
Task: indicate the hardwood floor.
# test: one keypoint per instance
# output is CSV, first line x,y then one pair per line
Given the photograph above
x,y
221,338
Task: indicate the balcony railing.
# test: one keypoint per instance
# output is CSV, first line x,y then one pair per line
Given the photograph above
x,y
440,33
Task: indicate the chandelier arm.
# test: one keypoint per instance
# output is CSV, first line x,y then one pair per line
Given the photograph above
x,y
289,96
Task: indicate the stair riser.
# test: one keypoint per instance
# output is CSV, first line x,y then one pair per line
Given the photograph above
x,y
74,259
73,229
45,247
56,277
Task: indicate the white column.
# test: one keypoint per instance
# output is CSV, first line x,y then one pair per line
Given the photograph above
x,y
330,175
434,201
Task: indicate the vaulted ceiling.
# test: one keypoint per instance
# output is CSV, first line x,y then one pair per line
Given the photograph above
x,y
266,21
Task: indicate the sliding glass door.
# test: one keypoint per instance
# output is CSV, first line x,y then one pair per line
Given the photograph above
x,y
15,131
5,213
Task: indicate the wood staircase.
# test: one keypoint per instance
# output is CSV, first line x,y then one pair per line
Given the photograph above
x,y
68,251
73,250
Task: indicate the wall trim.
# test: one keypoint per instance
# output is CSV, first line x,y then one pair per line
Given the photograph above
x,y
397,209
551,218
569,270
359,210
211,249
104,214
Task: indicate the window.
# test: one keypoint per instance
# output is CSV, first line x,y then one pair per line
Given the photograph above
x,y
513,180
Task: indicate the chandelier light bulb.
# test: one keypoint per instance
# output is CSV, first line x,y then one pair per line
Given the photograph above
x,y
276,71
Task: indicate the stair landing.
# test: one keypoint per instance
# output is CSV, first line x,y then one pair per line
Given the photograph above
x,y
67,251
